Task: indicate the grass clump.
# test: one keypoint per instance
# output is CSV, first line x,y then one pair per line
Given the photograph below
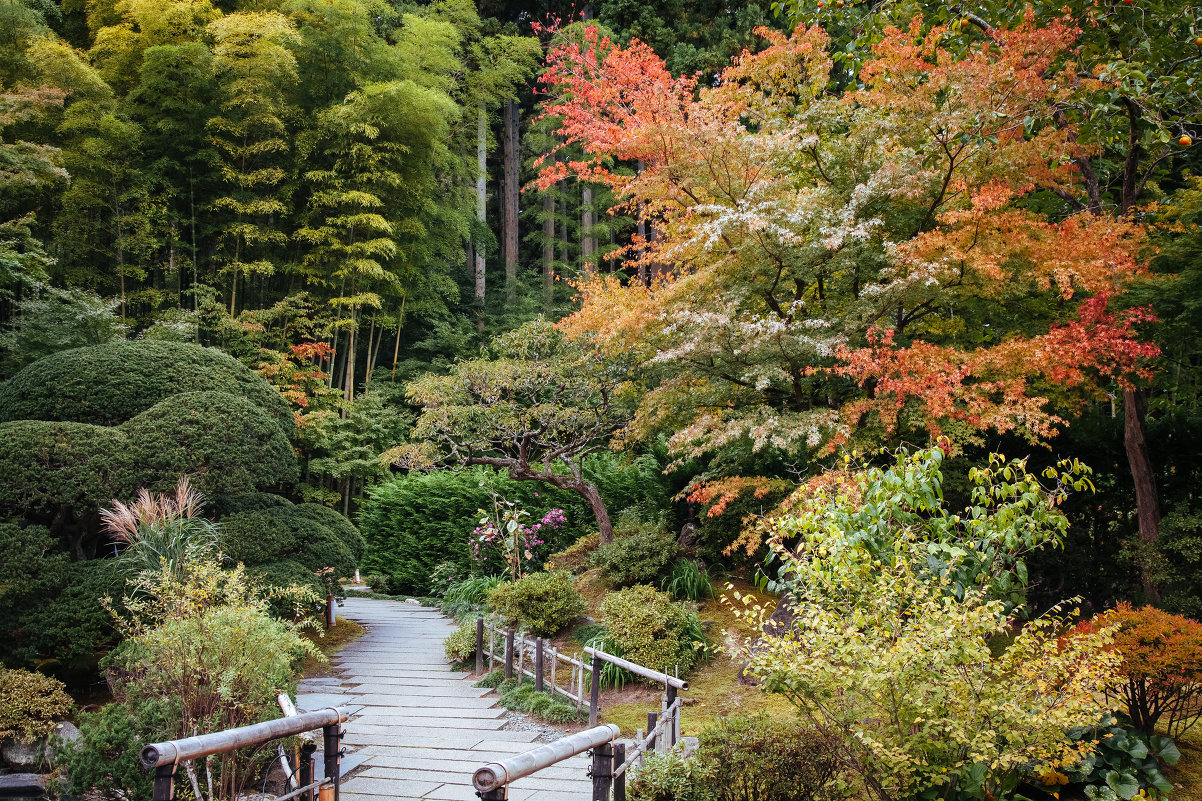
x,y
492,680
686,581
522,697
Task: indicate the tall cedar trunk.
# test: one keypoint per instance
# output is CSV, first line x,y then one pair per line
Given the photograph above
x,y
588,245
511,198
548,253
481,207
1147,501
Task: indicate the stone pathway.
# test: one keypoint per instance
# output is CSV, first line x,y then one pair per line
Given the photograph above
x,y
420,730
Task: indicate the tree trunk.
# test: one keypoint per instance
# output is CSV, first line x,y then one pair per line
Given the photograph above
x,y
548,253
481,207
1147,501
511,199
595,502
588,245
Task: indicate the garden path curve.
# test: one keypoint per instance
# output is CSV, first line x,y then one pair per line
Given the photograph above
x,y
419,729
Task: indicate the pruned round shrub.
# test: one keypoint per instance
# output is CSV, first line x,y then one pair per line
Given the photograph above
x,y
543,603
30,704
640,553
460,644
109,384
762,758
69,626
650,628
307,535
671,777
219,506
225,442
49,468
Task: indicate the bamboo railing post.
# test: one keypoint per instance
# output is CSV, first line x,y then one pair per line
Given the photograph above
x,y
672,725
491,648
554,659
579,684
651,720
509,653
521,659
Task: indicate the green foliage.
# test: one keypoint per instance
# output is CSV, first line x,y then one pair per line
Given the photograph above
x,y
70,628
54,320
492,680
1124,759
442,579
542,603
222,505
768,759
112,383
415,522
574,558
687,581
105,757
613,677
523,697
49,468
890,646
30,704
311,537
650,629
460,644
672,777
639,554
469,595
231,445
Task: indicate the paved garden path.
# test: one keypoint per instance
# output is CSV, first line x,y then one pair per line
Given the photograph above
x,y
420,730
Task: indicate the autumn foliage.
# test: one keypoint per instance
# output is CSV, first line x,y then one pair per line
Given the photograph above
x,y
1161,668
832,266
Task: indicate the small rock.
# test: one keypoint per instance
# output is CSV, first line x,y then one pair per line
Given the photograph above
x,y
21,755
22,785
413,601
67,732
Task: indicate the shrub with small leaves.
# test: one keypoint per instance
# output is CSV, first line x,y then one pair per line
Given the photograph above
x,y
672,777
650,629
30,703
461,644
762,758
492,680
575,557
543,603
1161,667
639,554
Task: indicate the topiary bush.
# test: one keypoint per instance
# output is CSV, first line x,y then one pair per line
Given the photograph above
x,y
68,628
60,473
219,506
543,603
651,629
30,704
109,384
762,758
104,760
672,777
640,553
460,645
225,442
273,541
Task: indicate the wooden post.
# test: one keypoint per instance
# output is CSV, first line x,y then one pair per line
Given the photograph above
x,y
594,700
538,665
579,684
603,771
479,645
619,750
509,653
491,649
651,719
164,782
306,769
554,659
521,654
671,724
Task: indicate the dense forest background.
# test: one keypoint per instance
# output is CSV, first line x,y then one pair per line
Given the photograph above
x,y
338,194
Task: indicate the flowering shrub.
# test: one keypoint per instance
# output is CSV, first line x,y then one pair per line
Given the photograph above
x,y
504,537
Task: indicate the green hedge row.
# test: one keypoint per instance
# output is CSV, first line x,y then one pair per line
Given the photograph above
x,y
417,521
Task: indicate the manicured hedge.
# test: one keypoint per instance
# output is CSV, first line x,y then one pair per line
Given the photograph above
x,y
417,521
308,536
112,383
50,470
226,443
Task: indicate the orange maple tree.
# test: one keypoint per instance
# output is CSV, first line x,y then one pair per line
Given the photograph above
x,y
835,267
